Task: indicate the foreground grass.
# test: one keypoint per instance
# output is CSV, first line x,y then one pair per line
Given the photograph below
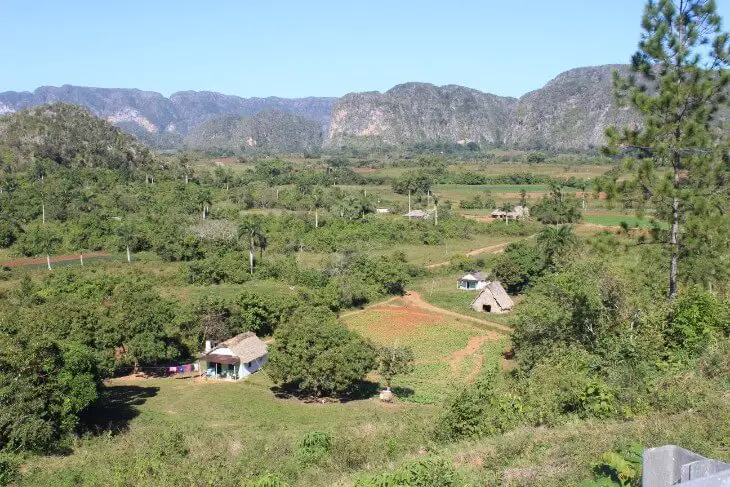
x,y
177,432
556,457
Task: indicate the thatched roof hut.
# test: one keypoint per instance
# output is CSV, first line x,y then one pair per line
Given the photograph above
x,y
493,299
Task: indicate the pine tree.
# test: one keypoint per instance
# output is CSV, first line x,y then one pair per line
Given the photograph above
x,y
678,81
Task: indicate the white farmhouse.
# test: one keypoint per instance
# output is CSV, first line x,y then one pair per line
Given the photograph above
x,y
472,281
234,358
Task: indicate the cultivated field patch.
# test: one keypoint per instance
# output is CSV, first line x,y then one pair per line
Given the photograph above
x,y
449,351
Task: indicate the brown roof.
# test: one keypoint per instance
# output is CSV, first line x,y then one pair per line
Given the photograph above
x,y
221,359
247,347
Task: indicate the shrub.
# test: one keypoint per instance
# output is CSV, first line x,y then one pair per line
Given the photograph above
x,y
479,410
267,480
8,469
698,318
430,472
9,232
313,446
617,469
715,362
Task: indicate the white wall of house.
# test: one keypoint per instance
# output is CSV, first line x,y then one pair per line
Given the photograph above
x,y
241,370
477,285
251,367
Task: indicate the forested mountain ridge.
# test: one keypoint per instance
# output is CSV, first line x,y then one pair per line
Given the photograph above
x,y
70,136
571,112
417,112
160,121
269,130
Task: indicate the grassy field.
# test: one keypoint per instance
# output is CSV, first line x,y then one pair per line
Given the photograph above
x,y
197,432
586,171
433,254
181,432
615,219
441,291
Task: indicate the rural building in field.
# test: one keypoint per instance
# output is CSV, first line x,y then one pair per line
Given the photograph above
x,y
419,214
234,358
472,281
517,213
382,210
493,299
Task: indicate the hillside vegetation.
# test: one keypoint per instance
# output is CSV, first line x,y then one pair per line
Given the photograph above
x,y
68,136
267,131
118,265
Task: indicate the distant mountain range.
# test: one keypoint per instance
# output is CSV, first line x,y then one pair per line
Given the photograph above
x,y
163,122
571,112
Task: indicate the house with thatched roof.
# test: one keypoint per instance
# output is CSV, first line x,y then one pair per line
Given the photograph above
x,y
516,213
493,299
472,281
234,358
418,214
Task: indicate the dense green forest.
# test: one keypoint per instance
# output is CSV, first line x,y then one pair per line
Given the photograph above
x,y
117,260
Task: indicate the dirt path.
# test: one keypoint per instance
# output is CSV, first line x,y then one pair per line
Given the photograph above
x,y
492,249
477,368
415,299
58,258
472,347
369,307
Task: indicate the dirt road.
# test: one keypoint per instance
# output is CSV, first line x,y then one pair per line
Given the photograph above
x,y
55,259
415,299
492,249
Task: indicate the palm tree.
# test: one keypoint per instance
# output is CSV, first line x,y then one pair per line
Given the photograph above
x,y
185,167
48,241
250,229
317,201
554,240
127,235
204,200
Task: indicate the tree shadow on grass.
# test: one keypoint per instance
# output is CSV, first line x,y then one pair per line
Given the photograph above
x,y
402,392
115,408
363,390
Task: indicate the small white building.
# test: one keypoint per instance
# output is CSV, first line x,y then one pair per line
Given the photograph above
x,y
234,358
382,210
472,281
493,299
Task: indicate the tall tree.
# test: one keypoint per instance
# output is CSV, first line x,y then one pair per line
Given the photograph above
x,y
250,230
679,80
205,199
317,201
127,233
554,241
394,360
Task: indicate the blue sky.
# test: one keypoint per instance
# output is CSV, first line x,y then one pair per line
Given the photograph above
x,y
317,48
